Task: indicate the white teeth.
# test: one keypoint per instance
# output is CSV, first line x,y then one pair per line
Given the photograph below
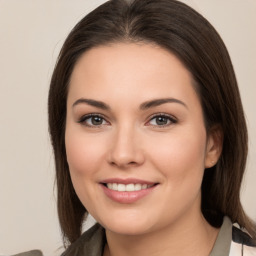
x,y
114,186
121,187
138,187
127,188
144,186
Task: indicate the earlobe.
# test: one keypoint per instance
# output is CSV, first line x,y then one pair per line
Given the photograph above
x,y
214,146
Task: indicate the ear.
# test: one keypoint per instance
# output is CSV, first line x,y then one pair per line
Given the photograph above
x,y
213,146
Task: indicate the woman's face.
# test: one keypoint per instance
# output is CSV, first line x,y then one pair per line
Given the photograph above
x,y
135,138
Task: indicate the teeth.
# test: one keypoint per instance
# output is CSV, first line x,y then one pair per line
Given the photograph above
x,y
138,187
128,187
114,186
144,186
121,187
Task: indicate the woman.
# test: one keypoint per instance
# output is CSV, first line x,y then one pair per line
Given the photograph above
x,y
149,134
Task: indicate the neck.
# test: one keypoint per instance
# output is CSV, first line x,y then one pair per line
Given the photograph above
x,y
192,236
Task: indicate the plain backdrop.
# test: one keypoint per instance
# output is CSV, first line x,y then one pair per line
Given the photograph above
x,y
31,34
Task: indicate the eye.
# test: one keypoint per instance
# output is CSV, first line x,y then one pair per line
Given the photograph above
x,y
93,120
162,120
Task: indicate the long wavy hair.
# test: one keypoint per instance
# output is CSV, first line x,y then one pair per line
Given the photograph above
x,y
187,34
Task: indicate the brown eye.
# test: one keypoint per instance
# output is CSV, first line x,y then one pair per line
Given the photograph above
x,y
162,120
96,120
92,120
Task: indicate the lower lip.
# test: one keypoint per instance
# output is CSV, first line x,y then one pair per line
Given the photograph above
x,y
124,197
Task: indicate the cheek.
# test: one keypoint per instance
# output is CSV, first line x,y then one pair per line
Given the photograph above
x,y
180,159
180,156
84,153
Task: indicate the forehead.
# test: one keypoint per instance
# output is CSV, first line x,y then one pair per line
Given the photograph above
x,y
130,70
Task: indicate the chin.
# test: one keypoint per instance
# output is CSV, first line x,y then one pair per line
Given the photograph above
x,y
128,224
128,228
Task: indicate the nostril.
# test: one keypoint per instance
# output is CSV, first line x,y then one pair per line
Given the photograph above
x,y
122,164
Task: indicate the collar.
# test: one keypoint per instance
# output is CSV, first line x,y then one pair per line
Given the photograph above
x,y
224,238
92,242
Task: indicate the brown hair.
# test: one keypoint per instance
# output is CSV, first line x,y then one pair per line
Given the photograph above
x,y
178,28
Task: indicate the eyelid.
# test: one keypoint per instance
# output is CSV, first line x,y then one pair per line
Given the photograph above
x,y
83,118
172,119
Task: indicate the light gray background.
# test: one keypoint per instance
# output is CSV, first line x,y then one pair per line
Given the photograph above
x,y
31,34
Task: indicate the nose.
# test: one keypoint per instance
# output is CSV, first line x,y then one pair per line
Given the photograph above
x,y
125,150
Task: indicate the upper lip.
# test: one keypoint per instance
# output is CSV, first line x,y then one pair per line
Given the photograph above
x,y
127,181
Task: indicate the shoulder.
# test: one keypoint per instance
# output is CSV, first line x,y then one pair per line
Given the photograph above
x,y
242,244
90,243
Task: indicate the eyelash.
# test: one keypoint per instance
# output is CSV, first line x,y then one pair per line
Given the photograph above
x,y
171,119
85,118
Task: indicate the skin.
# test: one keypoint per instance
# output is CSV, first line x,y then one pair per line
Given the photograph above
x,y
129,142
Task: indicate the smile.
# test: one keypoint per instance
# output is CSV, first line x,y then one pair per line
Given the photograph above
x,y
127,187
127,191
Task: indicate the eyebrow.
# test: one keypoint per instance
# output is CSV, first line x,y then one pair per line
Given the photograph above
x,y
94,103
158,102
144,106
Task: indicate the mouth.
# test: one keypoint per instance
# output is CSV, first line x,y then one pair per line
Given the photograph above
x,y
127,191
128,187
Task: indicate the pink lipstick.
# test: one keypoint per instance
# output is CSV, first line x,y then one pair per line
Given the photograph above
x,y
127,191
